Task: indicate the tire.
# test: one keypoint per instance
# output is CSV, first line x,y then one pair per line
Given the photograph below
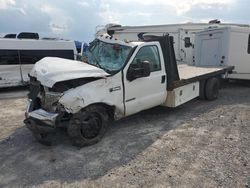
x,y
212,88
88,126
202,90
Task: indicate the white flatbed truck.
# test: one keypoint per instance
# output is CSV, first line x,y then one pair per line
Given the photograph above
x,y
119,79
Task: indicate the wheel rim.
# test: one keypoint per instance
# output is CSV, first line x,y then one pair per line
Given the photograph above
x,y
91,126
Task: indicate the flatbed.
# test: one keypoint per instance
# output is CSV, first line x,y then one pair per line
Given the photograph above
x,y
189,74
126,78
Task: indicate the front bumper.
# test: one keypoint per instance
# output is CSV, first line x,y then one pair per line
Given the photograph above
x,y
40,121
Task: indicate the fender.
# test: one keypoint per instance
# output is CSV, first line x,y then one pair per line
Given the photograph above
x,y
78,98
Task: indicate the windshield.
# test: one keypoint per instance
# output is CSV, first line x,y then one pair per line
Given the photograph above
x,y
109,57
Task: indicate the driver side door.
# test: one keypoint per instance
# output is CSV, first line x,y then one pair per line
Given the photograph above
x,y
145,92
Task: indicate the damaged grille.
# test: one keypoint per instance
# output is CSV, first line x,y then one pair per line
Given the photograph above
x,y
42,98
34,90
49,100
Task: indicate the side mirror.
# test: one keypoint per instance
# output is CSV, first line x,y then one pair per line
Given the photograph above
x,y
146,68
139,70
187,42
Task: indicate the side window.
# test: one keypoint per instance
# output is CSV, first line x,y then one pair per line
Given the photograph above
x,y
248,49
9,57
150,54
187,42
32,56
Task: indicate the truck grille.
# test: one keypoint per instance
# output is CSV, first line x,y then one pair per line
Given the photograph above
x,y
42,97
49,100
34,89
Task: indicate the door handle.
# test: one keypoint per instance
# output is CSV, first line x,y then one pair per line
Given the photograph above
x,y
163,78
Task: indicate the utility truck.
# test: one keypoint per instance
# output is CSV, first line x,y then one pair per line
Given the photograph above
x,y
119,79
184,35
224,46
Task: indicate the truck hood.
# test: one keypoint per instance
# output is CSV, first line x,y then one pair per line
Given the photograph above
x,y
51,70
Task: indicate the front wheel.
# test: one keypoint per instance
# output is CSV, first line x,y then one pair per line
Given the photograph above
x,y
88,126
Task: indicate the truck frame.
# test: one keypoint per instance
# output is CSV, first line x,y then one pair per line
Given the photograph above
x,y
120,79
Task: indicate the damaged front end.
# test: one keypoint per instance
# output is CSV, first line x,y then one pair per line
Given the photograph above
x,y
44,114
50,79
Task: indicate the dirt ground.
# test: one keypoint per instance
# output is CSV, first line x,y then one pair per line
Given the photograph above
x,y
200,144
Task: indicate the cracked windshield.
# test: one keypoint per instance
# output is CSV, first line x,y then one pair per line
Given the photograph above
x,y
109,57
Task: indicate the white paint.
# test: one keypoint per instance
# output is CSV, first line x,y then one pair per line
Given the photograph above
x,y
228,42
44,116
178,31
210,57
50,70
181,95
10,75
95,92
146,92
127,97
104,37
32,44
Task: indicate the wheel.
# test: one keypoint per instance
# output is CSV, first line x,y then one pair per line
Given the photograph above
x,y
202,90
212,88
88,126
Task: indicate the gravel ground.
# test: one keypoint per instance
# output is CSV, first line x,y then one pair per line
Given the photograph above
x,y
200,144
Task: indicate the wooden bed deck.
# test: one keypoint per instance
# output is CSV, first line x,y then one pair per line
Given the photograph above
x,y
189,74
187,71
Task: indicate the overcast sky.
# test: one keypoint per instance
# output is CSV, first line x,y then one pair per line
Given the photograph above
x,y
78,19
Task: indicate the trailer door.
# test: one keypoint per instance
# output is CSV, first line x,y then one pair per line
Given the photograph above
x,y
210,49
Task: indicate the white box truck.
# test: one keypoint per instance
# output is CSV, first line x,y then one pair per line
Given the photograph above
x,y
224,46
120,79
183,33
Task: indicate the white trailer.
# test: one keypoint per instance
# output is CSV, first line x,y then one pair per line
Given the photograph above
x,y
224,46
17,57
184,35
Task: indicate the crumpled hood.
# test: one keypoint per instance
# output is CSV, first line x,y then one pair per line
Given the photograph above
x,y
51,70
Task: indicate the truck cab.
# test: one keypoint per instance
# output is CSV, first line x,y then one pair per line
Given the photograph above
x,y
118,79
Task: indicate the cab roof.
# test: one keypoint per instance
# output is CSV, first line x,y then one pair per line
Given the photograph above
x,y
111,40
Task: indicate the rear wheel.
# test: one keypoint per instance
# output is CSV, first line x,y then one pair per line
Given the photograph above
x,y
212,88
88,126
202,89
